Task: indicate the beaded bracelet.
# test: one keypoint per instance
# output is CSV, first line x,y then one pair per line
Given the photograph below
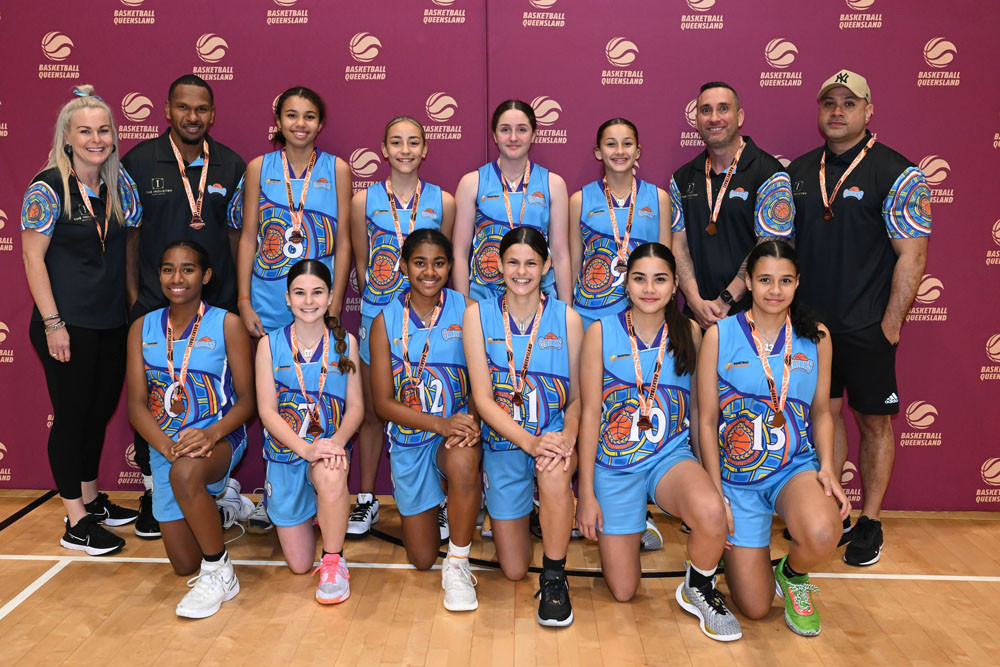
x,y
50,328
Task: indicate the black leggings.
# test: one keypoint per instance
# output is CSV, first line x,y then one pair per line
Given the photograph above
x,y
84,392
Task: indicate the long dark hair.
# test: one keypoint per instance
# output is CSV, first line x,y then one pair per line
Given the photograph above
x,y
681,343
425,235
314,267
306,94
526,235
514,105
803,322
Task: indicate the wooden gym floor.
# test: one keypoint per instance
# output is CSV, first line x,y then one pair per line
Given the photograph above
x,y
934,599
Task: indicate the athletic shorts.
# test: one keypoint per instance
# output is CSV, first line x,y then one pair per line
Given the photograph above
x,y
291,496
416,478
165,507
864,362
587,321
622,493
509,482
753,504
364,332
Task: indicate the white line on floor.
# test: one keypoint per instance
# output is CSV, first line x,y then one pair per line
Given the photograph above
x,y
34,586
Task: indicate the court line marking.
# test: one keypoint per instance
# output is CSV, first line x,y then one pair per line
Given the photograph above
x,y
34,586
406,566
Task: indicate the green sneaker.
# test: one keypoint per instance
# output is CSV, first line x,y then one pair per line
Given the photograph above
x,y
801,616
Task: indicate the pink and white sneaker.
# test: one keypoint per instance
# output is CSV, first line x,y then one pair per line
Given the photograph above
x,y
333,580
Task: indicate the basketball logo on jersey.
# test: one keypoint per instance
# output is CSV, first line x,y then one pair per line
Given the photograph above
x,y
384,277
600,275
485,262
750,448
441,391
622,442
277,251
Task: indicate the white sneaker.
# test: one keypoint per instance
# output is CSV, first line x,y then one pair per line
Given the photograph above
x,y
443,521
333,580
363,516
258,521
215,584
232,506
459,585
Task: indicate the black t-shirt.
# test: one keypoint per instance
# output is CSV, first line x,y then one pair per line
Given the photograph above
x,y
757,203
847,262
167,215
88,283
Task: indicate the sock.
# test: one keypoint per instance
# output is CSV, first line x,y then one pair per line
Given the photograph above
x,y
147,482
335,553
698,577
552,568
214,558
365,498
459,552
789,572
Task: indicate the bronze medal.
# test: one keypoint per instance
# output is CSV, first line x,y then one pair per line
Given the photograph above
x,y
644,423
411,398
197,222
778,420
518,400
295,237
620,268
314,427
177,406
711,229
828,213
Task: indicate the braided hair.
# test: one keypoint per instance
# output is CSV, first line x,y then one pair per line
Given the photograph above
x,y
313,267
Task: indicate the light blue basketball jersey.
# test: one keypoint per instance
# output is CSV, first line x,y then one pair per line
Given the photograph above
x,y
383,279
292,405
485,281
275,253
546,390
208,393
600,289
750,448
444,383
622,444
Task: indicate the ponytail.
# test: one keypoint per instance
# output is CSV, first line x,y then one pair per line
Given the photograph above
x,y
344,365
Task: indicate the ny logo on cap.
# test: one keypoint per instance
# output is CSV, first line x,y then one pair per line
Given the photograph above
x,y
842,77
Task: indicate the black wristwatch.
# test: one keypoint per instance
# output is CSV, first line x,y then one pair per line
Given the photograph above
x,y
726,297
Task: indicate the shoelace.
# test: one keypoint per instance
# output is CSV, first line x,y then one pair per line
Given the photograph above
x,y
213,578
464,568
713,598
553,591
329,569
802,595
360,512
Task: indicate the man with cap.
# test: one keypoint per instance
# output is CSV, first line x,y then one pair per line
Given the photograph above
x,y
190,186
862,223
724,202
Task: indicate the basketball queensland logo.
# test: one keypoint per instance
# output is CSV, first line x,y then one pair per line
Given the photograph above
x,y
137,108
4,471
134,15
691,138
989,472
441,108
542,16
364,163
57,47
130,474
936,170
364,47
444,11
780,53
287,14
992,255
6,240
704,18
6,351
927,308
920,416
621,53
850,482
939,54
991,372
547,114
211,48
862,18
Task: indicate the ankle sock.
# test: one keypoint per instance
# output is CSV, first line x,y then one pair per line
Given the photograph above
x,y
459,552
699,577
214,558
552,568
789,572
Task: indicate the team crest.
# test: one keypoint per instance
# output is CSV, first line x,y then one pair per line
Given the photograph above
x,y
854,191
646,212
453,332
550,341
536,199
801,362
217,189
740,193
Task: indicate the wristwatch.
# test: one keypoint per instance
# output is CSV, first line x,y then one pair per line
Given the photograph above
x,y
726,297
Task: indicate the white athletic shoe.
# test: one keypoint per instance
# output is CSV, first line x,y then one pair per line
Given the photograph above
x,y
333,586
363,516
215,584
459,585
232,506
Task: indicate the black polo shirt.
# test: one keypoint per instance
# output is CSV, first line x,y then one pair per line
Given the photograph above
x,y
757,203
88,283
167,216
847,262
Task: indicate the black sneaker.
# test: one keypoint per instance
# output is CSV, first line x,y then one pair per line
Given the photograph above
x,y
146,526
108,513
845,537
866,543
554,609
89,536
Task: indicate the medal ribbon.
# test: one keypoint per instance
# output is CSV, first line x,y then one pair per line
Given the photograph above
x,y
518,380
621,243
777,404
314,408
195,207
406,334
506,193
296,211
415,201
717,206
187,350
828,203
90,209
645,402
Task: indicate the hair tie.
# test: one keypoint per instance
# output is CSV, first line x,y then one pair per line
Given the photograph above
x,y
82,94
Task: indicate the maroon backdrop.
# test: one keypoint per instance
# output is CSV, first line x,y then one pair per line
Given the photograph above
x,y
579,62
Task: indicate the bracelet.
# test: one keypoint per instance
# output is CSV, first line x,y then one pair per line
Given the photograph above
x,y
50,328
51,317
